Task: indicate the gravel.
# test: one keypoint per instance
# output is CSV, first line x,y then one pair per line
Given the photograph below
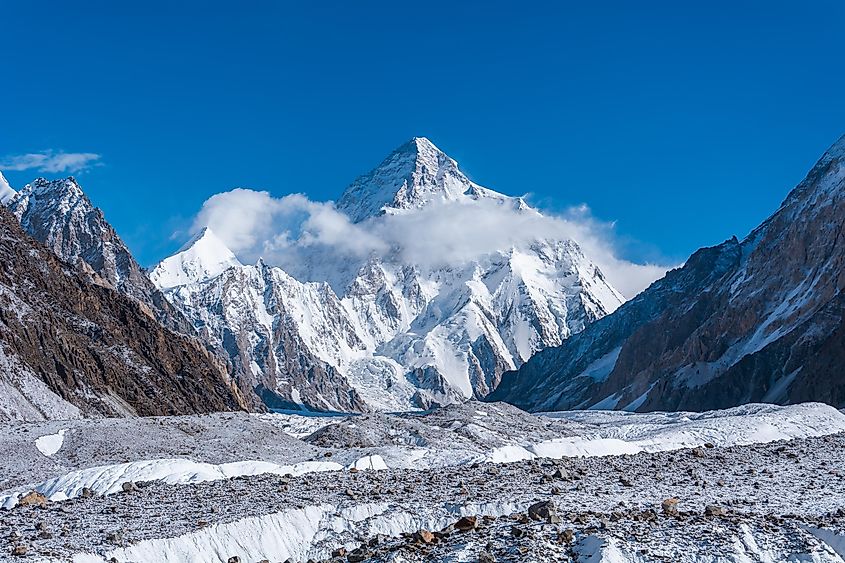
x,y
777,489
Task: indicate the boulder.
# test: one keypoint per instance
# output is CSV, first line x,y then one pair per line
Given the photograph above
x,y
713,510
33,499
670,506
543,510
466,524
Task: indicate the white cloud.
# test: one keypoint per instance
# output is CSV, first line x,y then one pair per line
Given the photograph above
x,y
50,162
255,224
285,230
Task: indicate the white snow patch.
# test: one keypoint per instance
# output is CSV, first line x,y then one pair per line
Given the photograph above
x,y
51,443
836,542
279,536
509,454
601,368
593,549
374,462
6,191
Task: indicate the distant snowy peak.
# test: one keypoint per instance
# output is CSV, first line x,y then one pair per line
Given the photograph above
x,y
413,176
204,257
6,191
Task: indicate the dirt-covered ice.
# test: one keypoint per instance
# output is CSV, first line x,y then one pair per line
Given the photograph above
x,y
213,487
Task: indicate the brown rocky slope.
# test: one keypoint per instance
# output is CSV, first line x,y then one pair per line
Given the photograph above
x,y
71,345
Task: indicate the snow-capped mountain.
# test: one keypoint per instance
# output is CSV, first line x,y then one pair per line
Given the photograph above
x,y
201,258
384,332
6,191
60,215
757,320
414,175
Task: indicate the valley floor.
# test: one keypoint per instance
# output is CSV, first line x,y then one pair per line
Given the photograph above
x,y
757,483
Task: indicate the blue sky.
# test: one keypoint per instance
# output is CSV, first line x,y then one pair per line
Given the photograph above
x,y
684,124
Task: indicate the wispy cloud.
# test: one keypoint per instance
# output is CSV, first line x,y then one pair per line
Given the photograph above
x,y
50,162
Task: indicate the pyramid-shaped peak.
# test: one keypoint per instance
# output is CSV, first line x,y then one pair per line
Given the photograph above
x,y
412,176
204,238
419,145
203,257
422,152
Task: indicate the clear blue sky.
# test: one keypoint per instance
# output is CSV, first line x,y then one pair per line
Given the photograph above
x,y
683,123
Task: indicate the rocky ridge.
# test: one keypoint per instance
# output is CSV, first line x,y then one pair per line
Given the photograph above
x,y
754,320
70,345
60,215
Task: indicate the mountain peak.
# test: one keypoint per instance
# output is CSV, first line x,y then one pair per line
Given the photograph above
x,y
415,174
61,194
419,145
50,209
205,237
203,257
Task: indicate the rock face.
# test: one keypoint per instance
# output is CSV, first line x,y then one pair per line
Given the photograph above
x,y
70,345
759,320
283,337
58,214
383,332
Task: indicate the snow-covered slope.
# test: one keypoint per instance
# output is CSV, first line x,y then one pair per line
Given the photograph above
x,y
205,256
415,174
285,338
6,191
384,331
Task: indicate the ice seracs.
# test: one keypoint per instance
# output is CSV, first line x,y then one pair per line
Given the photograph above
x,y
205,256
